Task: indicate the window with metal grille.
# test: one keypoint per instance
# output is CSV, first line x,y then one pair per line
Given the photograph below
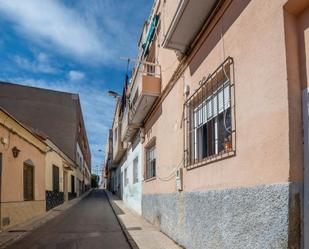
x,y
55,178
208,118
135,170
151,162
28,182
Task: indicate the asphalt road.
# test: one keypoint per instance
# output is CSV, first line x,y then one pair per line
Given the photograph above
x,y
90,224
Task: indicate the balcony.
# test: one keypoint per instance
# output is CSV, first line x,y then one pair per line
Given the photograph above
x,y
145,89
118,145
187,22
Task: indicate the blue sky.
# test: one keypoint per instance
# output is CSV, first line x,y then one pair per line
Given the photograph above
x,y
73,46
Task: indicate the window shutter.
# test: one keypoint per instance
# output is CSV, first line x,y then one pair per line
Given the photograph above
x,y
224,99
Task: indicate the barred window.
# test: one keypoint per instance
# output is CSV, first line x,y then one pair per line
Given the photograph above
x,y
28,182
151,162
209,129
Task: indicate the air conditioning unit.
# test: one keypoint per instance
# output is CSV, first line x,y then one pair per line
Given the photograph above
x,y
179,179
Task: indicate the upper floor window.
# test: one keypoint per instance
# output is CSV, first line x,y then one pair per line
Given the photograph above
x,y
209,129
151,161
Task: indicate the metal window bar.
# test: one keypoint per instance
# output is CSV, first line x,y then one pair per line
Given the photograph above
x,y
206,111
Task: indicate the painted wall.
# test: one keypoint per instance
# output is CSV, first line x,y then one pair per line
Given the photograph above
x,y
262,128
13,207
224,203
132,192
52,158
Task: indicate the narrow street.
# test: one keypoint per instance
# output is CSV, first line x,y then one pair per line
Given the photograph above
x,y
90,224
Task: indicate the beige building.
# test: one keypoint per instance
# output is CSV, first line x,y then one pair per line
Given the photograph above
x,y
217,98
58,116
59,168
22,172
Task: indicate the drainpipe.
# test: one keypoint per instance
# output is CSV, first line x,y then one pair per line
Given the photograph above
x,y
306,167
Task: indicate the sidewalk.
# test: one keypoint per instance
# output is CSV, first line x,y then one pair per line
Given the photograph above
x,y
140,233
17,232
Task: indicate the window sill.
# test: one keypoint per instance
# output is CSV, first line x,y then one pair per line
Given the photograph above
x,y
150,179
212,159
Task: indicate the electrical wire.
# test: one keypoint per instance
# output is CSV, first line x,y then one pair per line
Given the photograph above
x,y
172,174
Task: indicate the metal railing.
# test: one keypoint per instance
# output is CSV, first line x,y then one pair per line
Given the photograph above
x,y
144,68
209,118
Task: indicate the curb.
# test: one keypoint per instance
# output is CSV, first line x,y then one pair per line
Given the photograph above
x,y
40,221
128,237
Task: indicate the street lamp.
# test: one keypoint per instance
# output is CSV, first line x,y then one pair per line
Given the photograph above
x,y
113,94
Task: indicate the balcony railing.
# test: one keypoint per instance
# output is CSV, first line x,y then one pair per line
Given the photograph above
x,y
118,145
145,89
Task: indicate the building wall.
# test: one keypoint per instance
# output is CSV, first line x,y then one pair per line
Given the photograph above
x,y
132,192
232,201
52,158
14,209
78,176
55,198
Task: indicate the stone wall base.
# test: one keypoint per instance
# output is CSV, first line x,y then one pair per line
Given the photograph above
x,y
265,216
14,213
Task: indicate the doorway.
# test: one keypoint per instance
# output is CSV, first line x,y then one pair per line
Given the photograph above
x,y
65,186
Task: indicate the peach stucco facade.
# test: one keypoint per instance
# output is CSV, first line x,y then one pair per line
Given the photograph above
x,y
222,143
14,209
261,102
268,42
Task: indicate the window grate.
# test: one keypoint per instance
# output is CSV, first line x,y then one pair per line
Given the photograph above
x,y
209,118
151,162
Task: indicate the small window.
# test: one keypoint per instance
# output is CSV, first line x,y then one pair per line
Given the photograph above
x,y
28,182
126,179
135,170
151,162
55,178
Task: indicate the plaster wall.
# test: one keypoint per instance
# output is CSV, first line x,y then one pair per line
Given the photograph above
x,y
261,97
14,209
52,158
12,168
132,192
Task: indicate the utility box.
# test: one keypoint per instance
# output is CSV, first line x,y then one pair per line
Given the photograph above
x,y
179,179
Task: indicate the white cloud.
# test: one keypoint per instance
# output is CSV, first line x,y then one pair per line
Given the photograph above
x,y
41,64
52,23
76,75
